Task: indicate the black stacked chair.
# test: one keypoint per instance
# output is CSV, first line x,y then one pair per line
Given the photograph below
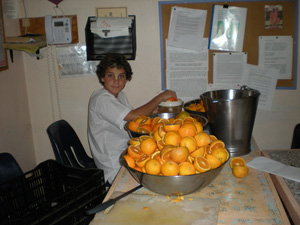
x,y
67,147
296,137
9,167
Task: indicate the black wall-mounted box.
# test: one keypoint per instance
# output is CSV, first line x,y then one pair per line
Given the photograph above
x,y
97,47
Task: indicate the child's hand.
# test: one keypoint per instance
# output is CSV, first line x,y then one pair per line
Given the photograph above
x,y
167,95
155,111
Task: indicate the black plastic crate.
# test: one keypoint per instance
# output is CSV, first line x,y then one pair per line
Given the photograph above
x,y
51,194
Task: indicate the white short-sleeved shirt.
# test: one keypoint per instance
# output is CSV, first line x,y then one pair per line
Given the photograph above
x,y
106,134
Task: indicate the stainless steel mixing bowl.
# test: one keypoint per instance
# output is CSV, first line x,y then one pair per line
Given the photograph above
x,y
202,119
195,101
172,185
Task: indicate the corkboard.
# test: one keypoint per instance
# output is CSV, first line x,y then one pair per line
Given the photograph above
x,y
254,28
3,55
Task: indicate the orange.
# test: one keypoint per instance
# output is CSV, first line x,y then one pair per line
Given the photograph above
x,y
146,120
213,137
143,130
156,126
153,166
154,121
201,164
188,119
155,135
144,137
138,168
186,168
199,127
135,151
237,161
165,152
142,161
178,120
240,171
198,152
190,159
216,144
213,161
151,134
202,139
156,155
187,129
133,126
207,150
192,107
171,119
139,119
160,144
220,153
179,154
189,142
130,161
171,138
172,99
161,131
134,141
172,126
146,126
148,146
170,168
182,115
163,120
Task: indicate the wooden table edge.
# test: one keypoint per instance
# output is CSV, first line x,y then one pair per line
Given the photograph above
x,y
284,192
114,184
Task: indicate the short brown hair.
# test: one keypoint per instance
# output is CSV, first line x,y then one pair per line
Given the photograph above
x,y
113,60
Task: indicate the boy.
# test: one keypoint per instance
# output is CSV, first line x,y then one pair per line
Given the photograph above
x,y
109,110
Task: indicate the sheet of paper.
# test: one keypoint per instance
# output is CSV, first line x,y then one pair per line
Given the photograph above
x,y
108,27
186,72
11,9
72,61
229,68
276,52
271,166
228,28
264,80
186,28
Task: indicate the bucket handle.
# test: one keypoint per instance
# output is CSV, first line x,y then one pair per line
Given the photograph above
x,y
245,87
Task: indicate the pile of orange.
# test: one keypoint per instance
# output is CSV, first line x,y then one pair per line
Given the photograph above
x,y
141,124
239,167
198,107
176,147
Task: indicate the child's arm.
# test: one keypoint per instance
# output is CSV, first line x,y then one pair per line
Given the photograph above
x,y
149,107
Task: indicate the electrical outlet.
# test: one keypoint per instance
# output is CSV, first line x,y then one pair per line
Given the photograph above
x,y
111,12
25,22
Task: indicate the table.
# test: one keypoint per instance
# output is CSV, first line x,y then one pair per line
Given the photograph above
x,y
252,200
288,189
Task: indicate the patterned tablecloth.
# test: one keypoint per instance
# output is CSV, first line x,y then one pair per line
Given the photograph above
x,y
252,200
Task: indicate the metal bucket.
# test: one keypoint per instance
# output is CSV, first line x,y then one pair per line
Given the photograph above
x,y
231,115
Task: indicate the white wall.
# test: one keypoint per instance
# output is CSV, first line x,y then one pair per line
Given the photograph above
x,y
272,130
15,125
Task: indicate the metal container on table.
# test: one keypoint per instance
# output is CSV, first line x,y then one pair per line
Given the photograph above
x,y
231,115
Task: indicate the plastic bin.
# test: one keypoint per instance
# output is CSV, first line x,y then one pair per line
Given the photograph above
x,y
51,194
97,47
